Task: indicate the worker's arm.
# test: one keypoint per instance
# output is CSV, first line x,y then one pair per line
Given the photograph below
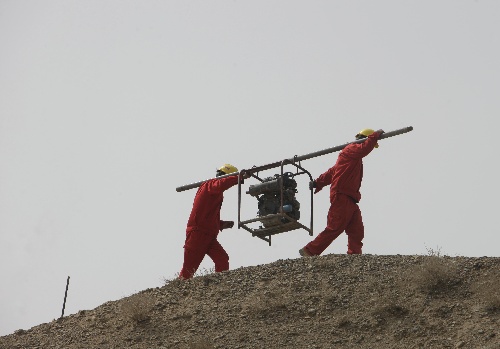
x,y
226,225
323,180
219,185
360,150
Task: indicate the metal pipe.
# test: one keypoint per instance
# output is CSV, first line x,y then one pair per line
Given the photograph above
x,y
299,158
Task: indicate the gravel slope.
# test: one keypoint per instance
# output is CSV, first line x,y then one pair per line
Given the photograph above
x,y
331,301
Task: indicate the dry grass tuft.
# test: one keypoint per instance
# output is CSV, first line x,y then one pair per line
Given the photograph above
x,y
389,310
137,307
489,293
436,274
265,304
175,280
205,271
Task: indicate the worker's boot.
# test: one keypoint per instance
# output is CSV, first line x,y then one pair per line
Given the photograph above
x,y
303,252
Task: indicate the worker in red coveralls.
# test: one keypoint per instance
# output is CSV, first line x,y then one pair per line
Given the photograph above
x,y
204,224
345,181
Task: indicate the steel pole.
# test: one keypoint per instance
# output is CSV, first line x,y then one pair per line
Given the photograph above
x,y
300,158
65,295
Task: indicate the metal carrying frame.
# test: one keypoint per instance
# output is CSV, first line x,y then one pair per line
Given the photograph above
x,y
286,223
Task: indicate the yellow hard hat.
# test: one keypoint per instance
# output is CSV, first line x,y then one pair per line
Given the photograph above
x,y
227,169
365,133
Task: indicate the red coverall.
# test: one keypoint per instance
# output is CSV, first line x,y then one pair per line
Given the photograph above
x,y
204,225
344,214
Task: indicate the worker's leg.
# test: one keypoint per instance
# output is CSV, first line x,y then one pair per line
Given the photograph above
x,y
195,248
355,231
336,223
220,257
192,260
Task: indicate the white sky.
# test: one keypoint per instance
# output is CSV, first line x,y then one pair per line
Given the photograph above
x,y
107,106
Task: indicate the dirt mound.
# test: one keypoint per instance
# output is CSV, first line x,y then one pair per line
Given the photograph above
x,y
332,301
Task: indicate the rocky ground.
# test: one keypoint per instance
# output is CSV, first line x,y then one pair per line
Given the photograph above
x,y
332,301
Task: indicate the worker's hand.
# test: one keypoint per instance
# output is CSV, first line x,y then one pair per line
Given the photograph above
x,y
226,225
380,132
245,175
312,184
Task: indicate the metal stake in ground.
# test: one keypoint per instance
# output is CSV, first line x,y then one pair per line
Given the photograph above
x,y
65,296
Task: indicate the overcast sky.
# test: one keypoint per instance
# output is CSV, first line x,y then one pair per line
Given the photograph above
x,y
106,107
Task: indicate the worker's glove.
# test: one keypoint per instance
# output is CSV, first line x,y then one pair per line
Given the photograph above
x,y
226,225
312,184
380,132
245,175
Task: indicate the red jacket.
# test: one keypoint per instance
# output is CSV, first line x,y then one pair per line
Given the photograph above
x,y
205,215
346,175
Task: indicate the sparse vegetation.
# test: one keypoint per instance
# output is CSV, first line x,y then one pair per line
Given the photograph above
x,y
436,274
267,304
488,290
200,272
173,281
137,307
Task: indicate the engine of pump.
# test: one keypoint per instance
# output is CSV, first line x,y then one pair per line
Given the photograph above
x,y
268,194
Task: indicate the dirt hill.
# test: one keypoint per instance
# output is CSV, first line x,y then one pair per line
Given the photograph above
x,y
332,301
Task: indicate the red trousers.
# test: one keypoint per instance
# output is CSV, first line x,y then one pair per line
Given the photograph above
x,y
344,215
198,244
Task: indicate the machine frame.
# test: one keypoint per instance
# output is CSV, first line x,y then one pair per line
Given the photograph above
x,y
288,223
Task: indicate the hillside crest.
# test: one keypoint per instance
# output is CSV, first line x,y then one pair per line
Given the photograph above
x,y
331,301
